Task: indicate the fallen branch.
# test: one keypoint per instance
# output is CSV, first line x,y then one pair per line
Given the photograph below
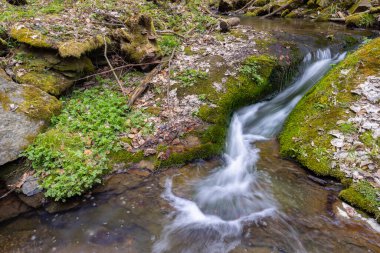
x,y
112,69
246,6
145,83
337,19
278,10
7,193
120,67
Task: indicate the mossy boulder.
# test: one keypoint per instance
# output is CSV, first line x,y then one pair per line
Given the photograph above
x,y
24,111
138,41
49,72
78,48
305,135
31,37
364,20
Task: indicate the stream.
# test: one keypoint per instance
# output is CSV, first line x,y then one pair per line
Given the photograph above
x,y
249,200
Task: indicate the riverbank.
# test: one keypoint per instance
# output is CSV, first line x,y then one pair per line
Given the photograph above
x,y
333,131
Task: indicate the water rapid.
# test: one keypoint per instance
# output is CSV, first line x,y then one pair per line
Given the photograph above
x,y
233,195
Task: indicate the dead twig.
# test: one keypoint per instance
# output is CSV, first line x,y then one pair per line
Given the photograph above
x,y
245,6
112,69
278,10
145,83
7,193
120,67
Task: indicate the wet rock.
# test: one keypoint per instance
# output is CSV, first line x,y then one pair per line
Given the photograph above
x,y
11,206
145,165
56,207
317,180
30,186
227,24
34,201
119,183
24,110
139,172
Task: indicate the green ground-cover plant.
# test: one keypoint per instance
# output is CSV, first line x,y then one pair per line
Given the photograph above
x,y
72,155
167,43
190,76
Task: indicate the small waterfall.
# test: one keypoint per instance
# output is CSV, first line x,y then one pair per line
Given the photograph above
x,y
232,195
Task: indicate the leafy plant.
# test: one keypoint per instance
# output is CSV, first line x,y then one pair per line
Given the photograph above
x,y
190,76
72,156
167,43
347,128
251,70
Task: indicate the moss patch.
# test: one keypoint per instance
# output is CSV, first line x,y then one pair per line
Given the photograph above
x,y
38,104
31,37
305,135
76,49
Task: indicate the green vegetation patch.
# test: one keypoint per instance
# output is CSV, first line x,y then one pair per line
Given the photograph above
x,y
73,155
305,135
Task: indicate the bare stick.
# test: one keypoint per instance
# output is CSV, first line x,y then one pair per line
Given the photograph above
x,y
145,83
112,69
278,10
7,193
246,6
120,67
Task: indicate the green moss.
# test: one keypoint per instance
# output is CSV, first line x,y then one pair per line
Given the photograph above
x,y
31,37
374,10
123,156
38,104
4,100
305,135
48,71
363,196
202,152
51,82
74,48
365,20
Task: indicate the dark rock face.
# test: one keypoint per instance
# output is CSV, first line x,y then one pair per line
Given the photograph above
x,y
11,207
229,5
24,110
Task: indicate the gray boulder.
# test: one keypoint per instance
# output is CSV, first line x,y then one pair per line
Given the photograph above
x,y
24,111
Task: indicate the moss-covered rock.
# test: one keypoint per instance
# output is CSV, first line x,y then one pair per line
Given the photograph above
x,y
31,37
305,135
365,20
75,48
24,111
49,72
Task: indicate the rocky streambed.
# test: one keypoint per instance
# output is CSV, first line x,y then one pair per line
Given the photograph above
x,y
181,118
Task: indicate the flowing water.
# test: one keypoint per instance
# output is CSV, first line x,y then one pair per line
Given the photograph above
x,y
249,201
233,195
